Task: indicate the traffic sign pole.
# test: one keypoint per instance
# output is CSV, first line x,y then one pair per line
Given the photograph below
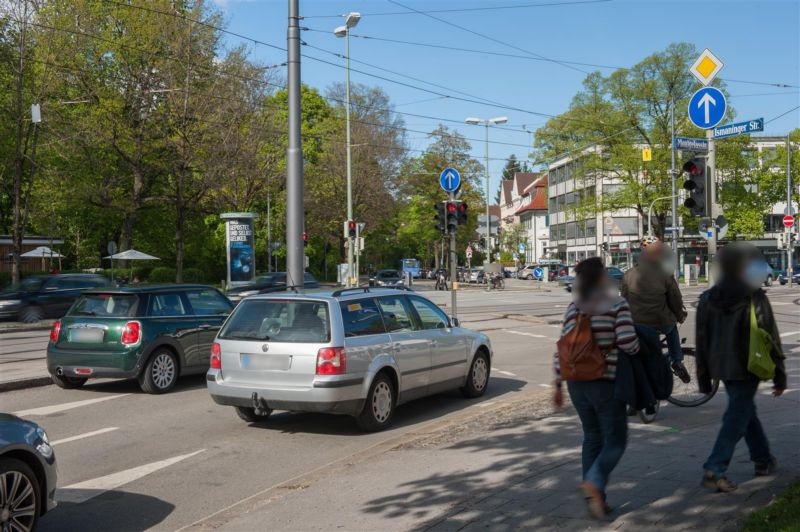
x,y
711,190
453,268
790,246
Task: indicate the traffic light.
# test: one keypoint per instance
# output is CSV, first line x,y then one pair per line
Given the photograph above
x,y
351,228
462,213
695,184
305,239
441,216
452,217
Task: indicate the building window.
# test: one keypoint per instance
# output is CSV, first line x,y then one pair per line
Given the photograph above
x,y
571,230
627,225
611,189
591,228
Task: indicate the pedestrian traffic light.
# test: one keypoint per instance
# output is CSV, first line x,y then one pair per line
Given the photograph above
x,y
305,239
351,228
695,184
452,217
462,213
441,216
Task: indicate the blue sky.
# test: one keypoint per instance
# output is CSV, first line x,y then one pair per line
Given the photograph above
x,y
758,40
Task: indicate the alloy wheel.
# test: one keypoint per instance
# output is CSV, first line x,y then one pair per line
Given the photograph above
x,y
163,370
17,502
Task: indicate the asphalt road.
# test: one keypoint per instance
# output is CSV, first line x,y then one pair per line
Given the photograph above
x,y
131,461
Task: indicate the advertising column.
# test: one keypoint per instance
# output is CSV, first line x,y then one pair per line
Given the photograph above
x,y
240,247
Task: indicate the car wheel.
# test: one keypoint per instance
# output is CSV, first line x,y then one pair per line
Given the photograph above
x,y
31,314
379,406
248,413
768,282
529,277
478,377
68,383
20,497
160,374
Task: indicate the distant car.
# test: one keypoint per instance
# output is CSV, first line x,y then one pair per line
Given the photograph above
x,y
357,351
476,275
784,278
266,284
767,271
28,474
151,333
614,273
46,296
388,279
526,272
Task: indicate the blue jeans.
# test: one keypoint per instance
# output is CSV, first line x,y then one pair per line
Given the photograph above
x,y
605,428
740,419
673,338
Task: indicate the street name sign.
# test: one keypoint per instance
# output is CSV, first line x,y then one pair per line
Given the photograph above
x,y
690,144
707,107
739,128
450,180
788,220
706,67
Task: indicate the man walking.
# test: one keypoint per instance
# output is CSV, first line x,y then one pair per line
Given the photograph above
x,y
656,302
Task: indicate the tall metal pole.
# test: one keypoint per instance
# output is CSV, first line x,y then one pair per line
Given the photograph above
x,y
453,269
351,273
674,192
269,230
789,230
711,190
487,258
294,155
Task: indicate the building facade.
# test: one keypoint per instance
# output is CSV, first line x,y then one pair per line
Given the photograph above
x,y
534,219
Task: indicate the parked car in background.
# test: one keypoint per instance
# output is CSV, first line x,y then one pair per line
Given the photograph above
x,y
151,333
767,272
266,284
784,278
476,275
356,351
614,273
28,474
46,296
526,272
388,279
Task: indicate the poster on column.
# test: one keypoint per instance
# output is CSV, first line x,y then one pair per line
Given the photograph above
x,y
240,245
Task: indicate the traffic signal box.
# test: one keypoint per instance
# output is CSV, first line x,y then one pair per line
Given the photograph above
x,y
695,184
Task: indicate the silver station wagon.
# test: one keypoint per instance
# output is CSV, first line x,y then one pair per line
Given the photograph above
x,y
356,351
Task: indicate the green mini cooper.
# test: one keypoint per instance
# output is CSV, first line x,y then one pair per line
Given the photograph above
x,y
152,333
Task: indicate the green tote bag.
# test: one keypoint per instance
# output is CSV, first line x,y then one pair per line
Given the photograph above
x,y
759,359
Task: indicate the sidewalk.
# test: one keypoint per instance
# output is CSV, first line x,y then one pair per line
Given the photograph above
x,y
22,357
517,467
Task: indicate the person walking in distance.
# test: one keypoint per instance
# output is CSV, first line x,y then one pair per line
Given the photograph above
x,y
597,324
737,336
656,301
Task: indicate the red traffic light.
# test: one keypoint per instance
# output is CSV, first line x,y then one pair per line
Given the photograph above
x,y
451,207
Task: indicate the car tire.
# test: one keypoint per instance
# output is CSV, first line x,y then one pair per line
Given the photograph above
x,y
160,373
379,405
768,282
248,413
68,383
31,314
529,277
478,376
17,473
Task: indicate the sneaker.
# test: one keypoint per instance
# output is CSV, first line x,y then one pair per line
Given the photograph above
x,y
720,484
764,470
680,370
595,501
632,411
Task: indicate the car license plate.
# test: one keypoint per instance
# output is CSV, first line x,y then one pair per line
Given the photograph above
x,y
265,362
86,336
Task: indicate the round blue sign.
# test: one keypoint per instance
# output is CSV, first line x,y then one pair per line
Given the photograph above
x,y
538,273
707,107
450,180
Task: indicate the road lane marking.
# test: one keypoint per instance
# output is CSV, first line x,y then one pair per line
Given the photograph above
x,y
521,333
544,385
84,435
784,335
53,409
89,489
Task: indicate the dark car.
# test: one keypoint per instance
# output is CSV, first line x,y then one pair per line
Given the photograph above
x,y
614,273
27,474
46,296
784,279
268,283
152,333
388,279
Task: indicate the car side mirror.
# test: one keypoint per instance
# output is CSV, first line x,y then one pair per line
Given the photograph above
x,y
455,322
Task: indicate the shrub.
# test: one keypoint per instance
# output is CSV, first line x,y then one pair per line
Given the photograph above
x,y
162,275
193,275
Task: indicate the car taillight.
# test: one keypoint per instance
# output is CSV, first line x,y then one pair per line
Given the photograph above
x,y
55,331
216,356
131,333
331,361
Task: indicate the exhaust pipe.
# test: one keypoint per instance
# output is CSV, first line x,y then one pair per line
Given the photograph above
x,y
60,371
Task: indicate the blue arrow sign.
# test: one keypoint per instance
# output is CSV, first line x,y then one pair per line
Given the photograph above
x,y
739,128
707,107
538,272
450,180
690,144
521,247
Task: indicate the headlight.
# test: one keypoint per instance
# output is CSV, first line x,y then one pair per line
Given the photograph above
x,y
9,302
380,283
43,446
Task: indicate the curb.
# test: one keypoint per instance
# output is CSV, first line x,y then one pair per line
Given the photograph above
x,y
22,384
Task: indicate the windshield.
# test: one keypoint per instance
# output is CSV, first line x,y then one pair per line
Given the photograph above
x,y
387,274
278,320
105,305
31,284
270,279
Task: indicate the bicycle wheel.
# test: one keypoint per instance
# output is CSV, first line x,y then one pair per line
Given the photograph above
x,y
687,393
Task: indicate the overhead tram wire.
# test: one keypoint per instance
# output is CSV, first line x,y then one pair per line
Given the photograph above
x,y
470,9
795,108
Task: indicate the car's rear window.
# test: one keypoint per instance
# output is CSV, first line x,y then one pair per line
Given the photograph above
x,y
279,320
105,305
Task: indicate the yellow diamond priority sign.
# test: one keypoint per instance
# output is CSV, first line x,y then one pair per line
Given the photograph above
x,y
706,68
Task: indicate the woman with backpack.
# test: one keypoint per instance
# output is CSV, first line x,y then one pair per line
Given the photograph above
x,y
596,326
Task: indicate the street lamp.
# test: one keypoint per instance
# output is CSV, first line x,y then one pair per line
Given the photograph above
x,y
487,122
351,20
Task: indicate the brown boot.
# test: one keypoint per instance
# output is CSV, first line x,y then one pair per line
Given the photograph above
x,y
595,502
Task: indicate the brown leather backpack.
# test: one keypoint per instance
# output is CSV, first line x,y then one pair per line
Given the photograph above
x,y
579,357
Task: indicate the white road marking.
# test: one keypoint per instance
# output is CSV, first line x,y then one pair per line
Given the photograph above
x,y
544,385
507,373
47,410
89,489
784,335
521,333
84,435
484,405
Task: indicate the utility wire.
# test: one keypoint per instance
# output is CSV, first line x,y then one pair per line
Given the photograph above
x,y
469,9
795,108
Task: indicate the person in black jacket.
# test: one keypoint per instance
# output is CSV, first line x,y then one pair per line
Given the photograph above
x,y
723,335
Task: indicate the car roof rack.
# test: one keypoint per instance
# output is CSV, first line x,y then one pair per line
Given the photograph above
x,y
341,291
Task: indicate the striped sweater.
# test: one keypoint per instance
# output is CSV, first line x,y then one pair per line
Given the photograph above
x,y
612,330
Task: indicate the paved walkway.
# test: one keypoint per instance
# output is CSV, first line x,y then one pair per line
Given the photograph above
x,y
517,467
